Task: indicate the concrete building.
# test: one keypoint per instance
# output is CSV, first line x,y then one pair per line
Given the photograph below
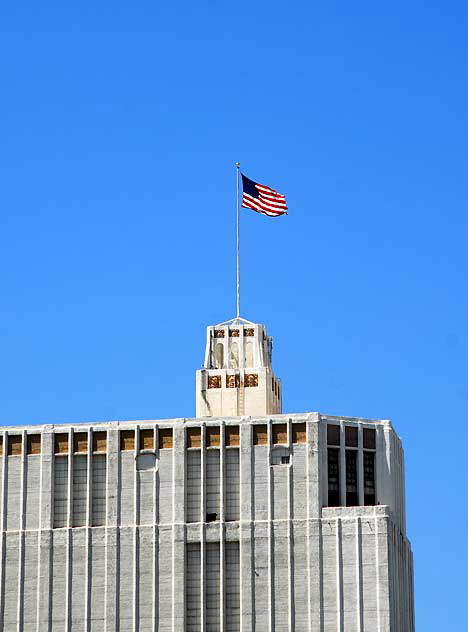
x,y
242,519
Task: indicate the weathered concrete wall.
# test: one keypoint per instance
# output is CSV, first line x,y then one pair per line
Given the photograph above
x,y
302,566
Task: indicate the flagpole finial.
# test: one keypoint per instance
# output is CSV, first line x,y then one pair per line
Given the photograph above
x,y
238,164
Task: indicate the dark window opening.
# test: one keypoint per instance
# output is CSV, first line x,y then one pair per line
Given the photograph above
x,y
260,435
231,435
80,442
165,439
100,441
333,435
127,439
333,477
285,460
147,439
351,436
368,438
34,444
213,437
14,445
299,433
194,437
352,497
61,443
279,433
211,517
369,478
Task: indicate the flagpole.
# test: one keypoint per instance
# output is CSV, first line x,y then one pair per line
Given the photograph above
x,y
237,239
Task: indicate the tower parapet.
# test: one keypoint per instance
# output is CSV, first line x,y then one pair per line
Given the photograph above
x,y
237,377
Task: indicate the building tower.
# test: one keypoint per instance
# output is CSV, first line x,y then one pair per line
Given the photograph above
x,y
242,519
237,378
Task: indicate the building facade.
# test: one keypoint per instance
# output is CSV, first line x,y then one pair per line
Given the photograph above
x,y
242,519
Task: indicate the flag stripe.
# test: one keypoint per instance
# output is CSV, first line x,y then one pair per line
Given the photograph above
x,y
269,213
260,206
265,189
261,198
256,207
267,204
270,196
265,207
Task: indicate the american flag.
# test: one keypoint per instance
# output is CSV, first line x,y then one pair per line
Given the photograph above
x,y
262,199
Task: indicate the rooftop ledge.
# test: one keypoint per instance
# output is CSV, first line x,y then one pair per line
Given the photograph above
x,y
306,416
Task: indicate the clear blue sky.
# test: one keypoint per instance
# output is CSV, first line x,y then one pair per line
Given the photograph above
x,y
120,127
